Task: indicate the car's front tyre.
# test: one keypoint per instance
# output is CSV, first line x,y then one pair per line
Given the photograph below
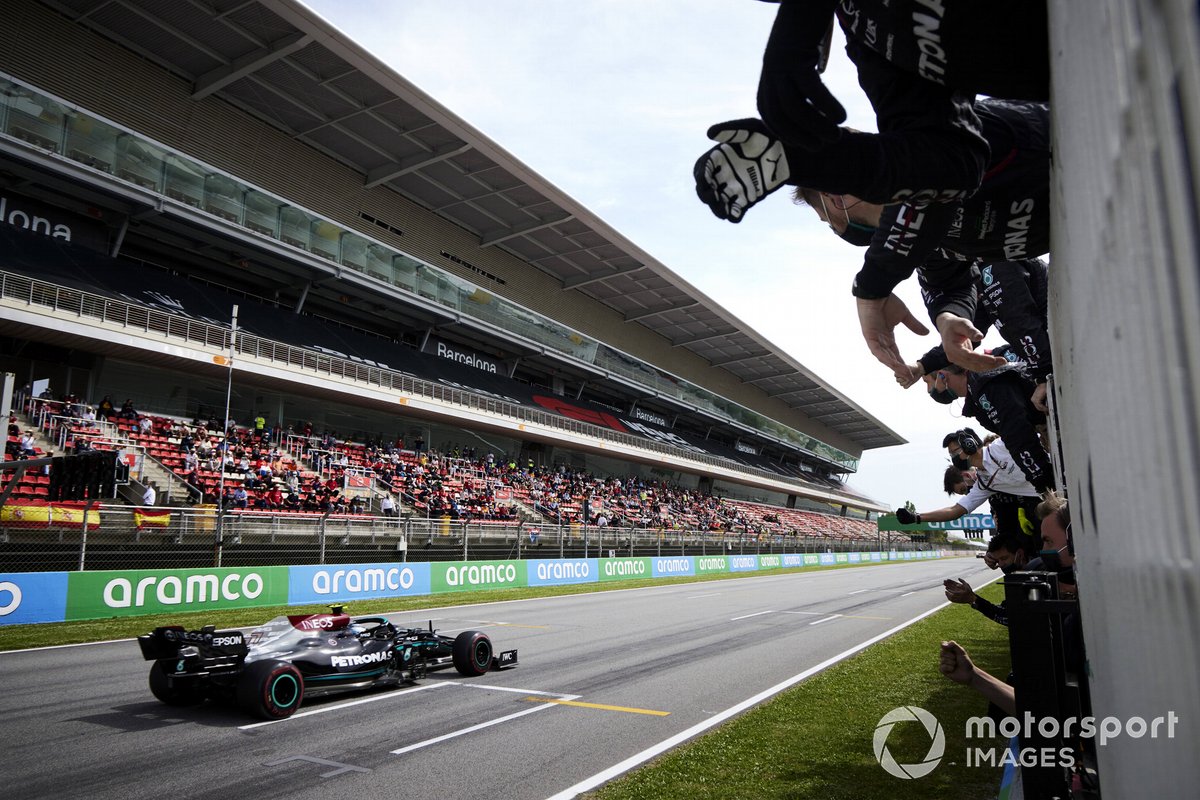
x,y
472,653
270,689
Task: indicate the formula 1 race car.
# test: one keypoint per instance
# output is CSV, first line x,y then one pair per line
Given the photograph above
x,y
270,671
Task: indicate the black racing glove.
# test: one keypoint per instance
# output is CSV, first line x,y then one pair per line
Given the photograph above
x,y
907,517
792,101
747,166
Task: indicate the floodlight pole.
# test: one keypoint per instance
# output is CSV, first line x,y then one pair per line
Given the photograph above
x,y
220,539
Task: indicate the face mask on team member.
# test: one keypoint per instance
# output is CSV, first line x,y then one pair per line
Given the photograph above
x,y
1052,559
944,396
960,461
857,234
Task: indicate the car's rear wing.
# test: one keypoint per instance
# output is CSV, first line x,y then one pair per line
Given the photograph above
x,y
169,642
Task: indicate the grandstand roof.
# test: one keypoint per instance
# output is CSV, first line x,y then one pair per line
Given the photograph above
x,y
284,64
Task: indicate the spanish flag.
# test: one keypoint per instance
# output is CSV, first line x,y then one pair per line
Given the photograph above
x,y
23,515
151,518
41,515
72,516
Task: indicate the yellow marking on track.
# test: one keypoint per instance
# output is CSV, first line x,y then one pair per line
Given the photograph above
x,y
578,704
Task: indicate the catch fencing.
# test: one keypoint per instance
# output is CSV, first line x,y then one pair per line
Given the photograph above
x,y
33,539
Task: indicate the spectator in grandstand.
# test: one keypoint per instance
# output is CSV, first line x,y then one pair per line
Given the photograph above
x,y
128,412
260,423
149,495
956,665
105,410
292,502
186,442
146,425
28,445
240,497
47,393
996,471
387,506
195,486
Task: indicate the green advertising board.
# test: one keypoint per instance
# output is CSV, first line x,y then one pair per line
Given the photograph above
x,y
770,561
624,569
129,593
463,576
812,560
706,565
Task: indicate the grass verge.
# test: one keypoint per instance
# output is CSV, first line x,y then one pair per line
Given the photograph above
x,y
815,740
18,637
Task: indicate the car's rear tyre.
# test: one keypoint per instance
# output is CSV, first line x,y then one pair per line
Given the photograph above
x,y
181,694
270,689
472,653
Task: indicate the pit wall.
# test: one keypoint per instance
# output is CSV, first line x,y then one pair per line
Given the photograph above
x,y
33,597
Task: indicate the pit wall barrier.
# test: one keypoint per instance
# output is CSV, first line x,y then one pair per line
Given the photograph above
x,y
35,597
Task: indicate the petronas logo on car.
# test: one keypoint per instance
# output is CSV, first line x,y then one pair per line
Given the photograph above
x,y
358,661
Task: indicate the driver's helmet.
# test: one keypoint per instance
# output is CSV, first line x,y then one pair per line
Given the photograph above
x,y
356,629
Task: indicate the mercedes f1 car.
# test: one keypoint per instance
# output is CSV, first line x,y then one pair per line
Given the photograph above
x,y
271,670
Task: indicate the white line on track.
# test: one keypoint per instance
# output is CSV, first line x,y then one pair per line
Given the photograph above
x,y
819,621
640,758
906,594
805,613
860,591
337,706
509,689
698,596
482,725
755,614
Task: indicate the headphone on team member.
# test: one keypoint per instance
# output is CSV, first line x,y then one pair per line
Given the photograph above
x,y
967,439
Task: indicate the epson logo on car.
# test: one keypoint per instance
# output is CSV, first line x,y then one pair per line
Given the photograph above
x,y
225,641
357,661
561,571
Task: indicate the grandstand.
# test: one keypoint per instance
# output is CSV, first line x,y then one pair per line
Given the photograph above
x,y
409,295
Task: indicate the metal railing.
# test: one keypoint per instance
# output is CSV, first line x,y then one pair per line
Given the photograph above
x,y
121,537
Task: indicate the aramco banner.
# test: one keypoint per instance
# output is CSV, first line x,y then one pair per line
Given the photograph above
x,y
35,597
967,522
